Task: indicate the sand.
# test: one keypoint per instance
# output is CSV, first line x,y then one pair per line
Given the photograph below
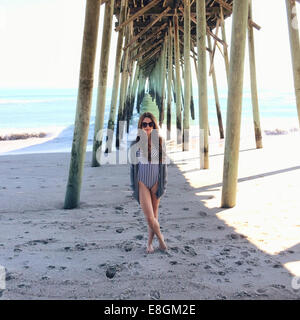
x,y
97,251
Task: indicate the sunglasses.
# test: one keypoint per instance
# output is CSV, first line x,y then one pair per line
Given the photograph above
x,y
145,124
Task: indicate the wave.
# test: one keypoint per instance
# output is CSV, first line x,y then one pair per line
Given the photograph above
x,y
25,101
22,136
278,131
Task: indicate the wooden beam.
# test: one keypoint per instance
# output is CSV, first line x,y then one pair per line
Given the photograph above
x,y
123,87
84,104
147,28
234,103
216,94
116,81
207,29
187,75
295,48
226,57
178,81
102,83
192,50
228,7
255,108
163,82
150,56
138,14
225,5
214,47
154,34
202,83
155,44
170,68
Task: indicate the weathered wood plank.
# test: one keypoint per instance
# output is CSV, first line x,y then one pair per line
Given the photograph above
x,y
147,28
235,91
138,14
84,103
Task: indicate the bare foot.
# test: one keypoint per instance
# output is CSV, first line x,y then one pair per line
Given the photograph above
x,y
150,248
163,247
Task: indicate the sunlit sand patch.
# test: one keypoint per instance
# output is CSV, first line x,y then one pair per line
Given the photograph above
x,y
293,267
268,202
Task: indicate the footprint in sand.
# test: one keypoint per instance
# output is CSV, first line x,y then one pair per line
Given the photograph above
x,y
190,250
202,214
51,267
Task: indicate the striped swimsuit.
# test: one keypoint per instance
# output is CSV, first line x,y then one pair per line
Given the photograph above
x,y
148,172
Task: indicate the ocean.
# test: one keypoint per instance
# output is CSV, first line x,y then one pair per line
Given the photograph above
x,y
53,110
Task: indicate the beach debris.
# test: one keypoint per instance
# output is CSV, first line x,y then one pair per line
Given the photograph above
x,y
10,276
23,285
154,294
80,247
245,254
111,272
202,213
51,267
126,294
261,290
128,246
139,237
175,249
242,294
278,286
42,241
233,236
190,250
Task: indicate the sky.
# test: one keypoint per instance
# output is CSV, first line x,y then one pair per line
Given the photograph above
x,y
41,45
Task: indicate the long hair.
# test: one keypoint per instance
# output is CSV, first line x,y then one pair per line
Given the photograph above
x,y
154,132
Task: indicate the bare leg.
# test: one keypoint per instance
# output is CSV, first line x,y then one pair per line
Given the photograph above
x,y
155,204
146,204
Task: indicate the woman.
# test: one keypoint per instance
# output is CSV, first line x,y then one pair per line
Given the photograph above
x,y
148,174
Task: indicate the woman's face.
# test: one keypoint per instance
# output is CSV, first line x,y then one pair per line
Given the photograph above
x,y
147,128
